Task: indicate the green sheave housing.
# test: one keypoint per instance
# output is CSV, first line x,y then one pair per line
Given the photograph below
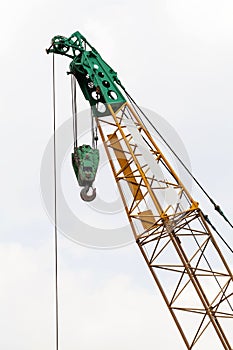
x,y
97,80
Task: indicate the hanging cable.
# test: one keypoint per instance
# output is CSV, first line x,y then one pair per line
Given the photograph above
x,y
96,136
216,206
55,208
94,130
74,110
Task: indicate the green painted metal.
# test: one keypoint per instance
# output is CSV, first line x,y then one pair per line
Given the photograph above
x,y
85,162
97,80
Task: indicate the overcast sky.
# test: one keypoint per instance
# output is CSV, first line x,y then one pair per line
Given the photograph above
x,y
175,58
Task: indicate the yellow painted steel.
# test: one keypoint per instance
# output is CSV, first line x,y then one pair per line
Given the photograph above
x,y
125,167
147,219
173,237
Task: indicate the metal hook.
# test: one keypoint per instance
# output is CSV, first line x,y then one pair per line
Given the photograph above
x,y
84,194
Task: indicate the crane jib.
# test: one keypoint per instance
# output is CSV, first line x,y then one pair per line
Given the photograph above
x,y
171,231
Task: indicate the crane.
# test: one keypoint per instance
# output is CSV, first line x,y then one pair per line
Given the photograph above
x,y
172,232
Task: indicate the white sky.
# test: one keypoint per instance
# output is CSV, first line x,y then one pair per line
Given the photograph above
x,y
174,57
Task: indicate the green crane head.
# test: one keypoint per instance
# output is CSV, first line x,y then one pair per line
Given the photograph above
x,y
97,80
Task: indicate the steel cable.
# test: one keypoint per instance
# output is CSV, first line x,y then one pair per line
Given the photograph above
x,y
216,206
55,210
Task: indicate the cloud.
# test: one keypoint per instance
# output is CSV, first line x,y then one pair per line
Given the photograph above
x,y
115,312
174,60
112,314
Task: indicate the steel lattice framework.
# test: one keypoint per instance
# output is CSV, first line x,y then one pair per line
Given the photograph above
x,y
168,225
170,230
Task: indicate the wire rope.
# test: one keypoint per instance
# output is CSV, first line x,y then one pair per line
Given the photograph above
x,y
55,212
216,206
74,110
